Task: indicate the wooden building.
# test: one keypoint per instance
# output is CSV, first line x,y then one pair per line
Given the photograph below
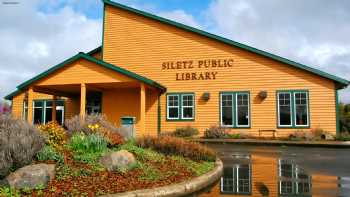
x,y
169,75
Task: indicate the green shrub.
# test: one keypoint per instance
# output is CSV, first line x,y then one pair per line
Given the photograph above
x,y
343,136
19,143
187,131
48,153
234,136
141,153
215,132
87,148
9,192
198,168
177,146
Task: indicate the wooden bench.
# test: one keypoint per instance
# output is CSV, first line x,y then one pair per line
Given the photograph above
x,y
273,131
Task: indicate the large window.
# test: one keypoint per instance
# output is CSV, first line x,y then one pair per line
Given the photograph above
x,y
42,111
234,108
180,106
236,179
293,109
293,180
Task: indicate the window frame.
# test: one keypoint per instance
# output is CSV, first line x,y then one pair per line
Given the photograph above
x,y
183,107
236,110
307,109
44,106
25,110
293,110
234,106
180,106
294,180
235,180
290,108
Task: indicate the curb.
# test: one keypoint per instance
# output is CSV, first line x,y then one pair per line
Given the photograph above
x,y
179,189
325,144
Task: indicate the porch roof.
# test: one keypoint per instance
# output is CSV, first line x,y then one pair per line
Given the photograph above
x,y
89,58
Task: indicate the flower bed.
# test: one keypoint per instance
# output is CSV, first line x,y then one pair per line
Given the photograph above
x,y
79,171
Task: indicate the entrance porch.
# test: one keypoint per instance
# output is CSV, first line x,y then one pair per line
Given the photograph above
x,y
93,86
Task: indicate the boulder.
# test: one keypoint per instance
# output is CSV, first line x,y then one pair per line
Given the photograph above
x,y
118,160
31,176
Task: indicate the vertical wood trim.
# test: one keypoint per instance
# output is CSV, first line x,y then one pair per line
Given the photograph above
x,y
54,98
30,105
82,100
142,108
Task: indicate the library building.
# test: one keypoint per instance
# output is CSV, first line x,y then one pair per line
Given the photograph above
x,y
162,75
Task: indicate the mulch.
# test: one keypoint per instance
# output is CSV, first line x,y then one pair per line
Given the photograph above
x,y
104,182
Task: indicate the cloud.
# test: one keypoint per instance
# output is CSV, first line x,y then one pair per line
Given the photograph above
x,y
180,16
34,39
313,32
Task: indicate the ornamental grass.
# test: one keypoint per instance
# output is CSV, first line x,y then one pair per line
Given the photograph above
x,y
19,143
177,146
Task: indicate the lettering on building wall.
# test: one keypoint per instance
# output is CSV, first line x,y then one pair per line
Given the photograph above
x,y
197,69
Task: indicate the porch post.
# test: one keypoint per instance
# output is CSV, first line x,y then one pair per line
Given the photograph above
x,y
30,105
54,98
143,109
82,100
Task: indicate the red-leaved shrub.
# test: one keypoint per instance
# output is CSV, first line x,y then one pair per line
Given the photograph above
x,y
177,146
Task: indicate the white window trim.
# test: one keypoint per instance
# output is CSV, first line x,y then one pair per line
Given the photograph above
x,y
62,108
221,122
307,110
237,178
236,114
278,109
178,107
182,107
25,107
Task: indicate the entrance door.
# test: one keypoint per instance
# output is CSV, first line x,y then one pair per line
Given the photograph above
x,y
94,103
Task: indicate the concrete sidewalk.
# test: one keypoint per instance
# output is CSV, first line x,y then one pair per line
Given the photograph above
x,y
328,144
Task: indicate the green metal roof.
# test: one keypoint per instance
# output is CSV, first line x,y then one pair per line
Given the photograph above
x,y
342,82
91,59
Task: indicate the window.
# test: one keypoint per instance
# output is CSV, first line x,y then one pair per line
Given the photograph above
x,y
187,109
180,106
242,112
42,111
293,180
284,109
236,179
293,109
301,108
173,106
235,109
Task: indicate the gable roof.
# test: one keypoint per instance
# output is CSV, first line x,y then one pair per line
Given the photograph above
x,y
84,56
340,81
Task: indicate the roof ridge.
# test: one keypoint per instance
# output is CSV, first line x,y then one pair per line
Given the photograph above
x,y
342,81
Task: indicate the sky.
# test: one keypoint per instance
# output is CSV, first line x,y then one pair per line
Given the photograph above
x,y
38,34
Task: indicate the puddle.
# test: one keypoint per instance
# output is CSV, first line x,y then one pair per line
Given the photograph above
x,y
280,174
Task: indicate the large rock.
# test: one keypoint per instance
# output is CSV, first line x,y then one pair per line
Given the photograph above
x,y
118,160
31,176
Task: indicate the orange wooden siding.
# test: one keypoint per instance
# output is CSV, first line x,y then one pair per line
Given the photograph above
x,y
83,71
141,45
126,102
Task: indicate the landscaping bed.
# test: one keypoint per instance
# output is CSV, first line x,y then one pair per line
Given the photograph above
x,y
95,160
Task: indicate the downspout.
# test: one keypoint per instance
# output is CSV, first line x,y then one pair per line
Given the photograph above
x,y
337,112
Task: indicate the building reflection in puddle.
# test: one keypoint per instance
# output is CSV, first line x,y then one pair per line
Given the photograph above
x,y
262,175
